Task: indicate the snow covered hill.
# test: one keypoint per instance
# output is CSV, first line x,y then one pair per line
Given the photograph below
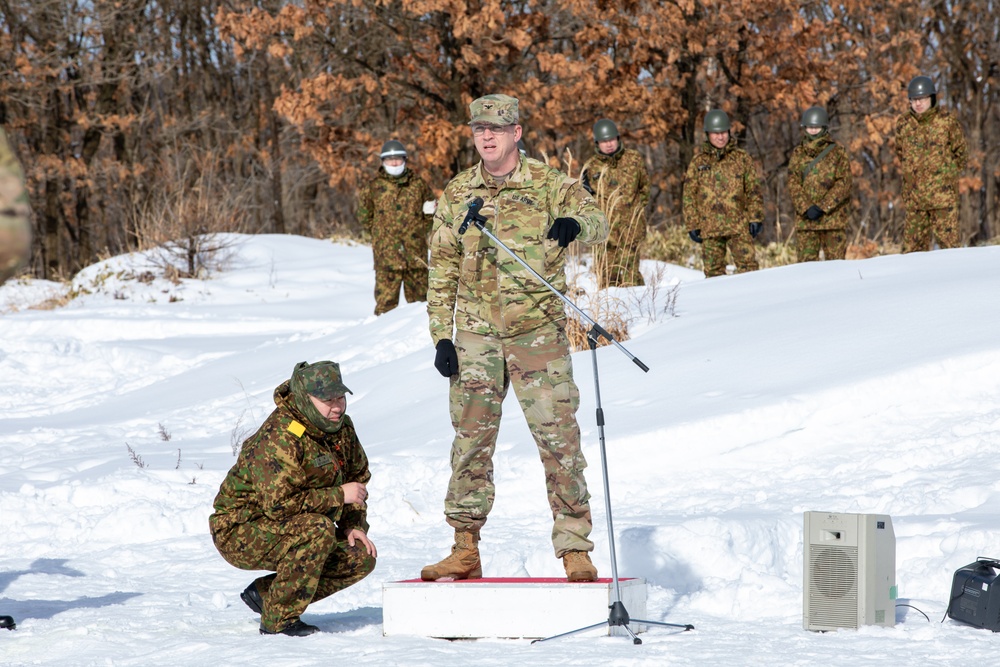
x,y
862,386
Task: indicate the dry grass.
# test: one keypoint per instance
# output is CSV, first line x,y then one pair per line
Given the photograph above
x,y
672,245
183,222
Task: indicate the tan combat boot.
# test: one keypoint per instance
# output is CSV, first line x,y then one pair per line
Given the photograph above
x,y
463,563
578,566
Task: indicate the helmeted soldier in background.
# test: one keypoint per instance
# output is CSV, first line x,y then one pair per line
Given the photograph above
x,y
395,209
819,182
618,179
932,155
495,325
15,225
722,203
295,502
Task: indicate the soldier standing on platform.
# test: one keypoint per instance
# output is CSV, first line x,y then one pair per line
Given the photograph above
x,y
396,210
495,325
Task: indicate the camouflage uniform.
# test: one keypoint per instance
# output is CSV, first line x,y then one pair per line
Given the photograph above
x,y
390,209
510,331
281,507
621,184
932,154
825,183
721,198
15,226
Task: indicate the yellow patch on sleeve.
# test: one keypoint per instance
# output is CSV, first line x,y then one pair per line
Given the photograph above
x,y
296,429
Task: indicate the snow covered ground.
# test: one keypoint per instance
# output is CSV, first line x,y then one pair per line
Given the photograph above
x,y
863,386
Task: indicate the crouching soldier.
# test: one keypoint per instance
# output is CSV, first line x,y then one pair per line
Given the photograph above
x,y
295,502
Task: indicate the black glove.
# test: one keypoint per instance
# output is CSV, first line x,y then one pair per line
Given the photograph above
x,y
446,359
585,182
695,235
815,212
563,230
755,228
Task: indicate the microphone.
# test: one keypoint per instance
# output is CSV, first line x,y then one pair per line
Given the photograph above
x,y
472,215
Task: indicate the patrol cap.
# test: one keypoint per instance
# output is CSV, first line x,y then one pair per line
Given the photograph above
x,y
494,110
321,379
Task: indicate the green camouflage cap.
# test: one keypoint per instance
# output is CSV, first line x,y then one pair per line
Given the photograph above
x,y
322,380
494,110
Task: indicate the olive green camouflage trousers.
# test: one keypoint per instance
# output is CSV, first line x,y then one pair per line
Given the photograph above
x,y
922,226
387,282
309,561
833,243
714,254
540,368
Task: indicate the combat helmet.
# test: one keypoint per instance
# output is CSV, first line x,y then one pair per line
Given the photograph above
x,y
605,130
392,148
815,117
716,120
921,86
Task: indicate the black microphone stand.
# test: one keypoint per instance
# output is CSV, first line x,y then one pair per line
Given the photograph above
x,y
618,615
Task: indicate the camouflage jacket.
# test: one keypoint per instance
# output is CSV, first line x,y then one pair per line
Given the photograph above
x,y
826,184
15,225
476,286
722,191
621,186
290,467
932,155
390,209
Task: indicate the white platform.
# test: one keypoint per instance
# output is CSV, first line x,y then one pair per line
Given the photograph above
x,y
505,608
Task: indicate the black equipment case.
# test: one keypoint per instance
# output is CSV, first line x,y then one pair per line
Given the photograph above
x,y
975,594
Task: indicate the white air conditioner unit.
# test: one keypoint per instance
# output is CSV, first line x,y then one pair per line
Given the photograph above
x,y
849,577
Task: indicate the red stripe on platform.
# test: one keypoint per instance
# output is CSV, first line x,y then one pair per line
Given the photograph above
x,y
513,580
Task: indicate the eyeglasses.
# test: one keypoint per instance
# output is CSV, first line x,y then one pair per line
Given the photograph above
x,y
478,130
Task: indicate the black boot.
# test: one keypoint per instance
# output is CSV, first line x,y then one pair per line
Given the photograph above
x,y
7,622
296,629
252,598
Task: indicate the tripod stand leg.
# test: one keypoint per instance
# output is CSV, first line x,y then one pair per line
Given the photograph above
x,y
635,640
571,632
683,626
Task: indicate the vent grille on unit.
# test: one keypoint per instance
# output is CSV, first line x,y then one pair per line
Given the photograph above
x,y
834,583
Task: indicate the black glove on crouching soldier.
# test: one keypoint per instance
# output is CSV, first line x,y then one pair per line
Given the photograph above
x,y
755,228
695,235
815,212
563,230
446,359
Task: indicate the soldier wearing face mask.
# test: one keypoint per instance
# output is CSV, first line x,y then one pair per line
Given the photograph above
x,y
396,209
